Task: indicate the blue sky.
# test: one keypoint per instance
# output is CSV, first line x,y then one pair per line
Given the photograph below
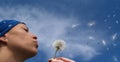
x,y
91,28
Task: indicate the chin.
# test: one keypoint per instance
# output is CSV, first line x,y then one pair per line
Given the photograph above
x,y
31,54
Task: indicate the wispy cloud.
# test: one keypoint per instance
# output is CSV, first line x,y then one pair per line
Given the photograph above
x,y
87,52
49,27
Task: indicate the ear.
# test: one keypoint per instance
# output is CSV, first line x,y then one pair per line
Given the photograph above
x,y
3,39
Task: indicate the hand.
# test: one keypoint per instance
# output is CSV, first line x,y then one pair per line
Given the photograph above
x,y
60,59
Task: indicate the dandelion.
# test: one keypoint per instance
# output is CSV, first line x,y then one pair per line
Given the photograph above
x,y
59,45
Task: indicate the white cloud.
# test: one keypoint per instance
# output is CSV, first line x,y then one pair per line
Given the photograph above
x,y
87,52
49,27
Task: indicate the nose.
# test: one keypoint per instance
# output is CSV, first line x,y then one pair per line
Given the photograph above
x,y
34,36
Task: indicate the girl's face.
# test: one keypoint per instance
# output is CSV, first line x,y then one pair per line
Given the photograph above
x,y
21,41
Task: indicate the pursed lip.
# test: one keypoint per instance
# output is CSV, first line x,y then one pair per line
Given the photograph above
x,y
36,44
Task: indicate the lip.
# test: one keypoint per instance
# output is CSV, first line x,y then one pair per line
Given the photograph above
x,y
36,44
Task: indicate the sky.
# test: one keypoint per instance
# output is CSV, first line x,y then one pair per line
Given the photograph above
x,y
90,28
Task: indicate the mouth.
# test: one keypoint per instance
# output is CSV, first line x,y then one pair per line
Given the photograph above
x,y
36,44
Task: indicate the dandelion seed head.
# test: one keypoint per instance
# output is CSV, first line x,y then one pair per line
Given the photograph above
x,y
59,44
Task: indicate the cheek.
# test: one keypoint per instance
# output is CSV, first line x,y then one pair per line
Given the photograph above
x,y
21,42
20,37
22,47
16,41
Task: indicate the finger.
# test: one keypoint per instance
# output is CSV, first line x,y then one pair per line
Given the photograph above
x,y
55,60
65,59
49,61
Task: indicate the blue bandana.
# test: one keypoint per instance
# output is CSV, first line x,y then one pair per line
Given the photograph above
x,y
7,25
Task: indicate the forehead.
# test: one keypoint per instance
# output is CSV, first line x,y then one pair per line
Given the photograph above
x,y
21,25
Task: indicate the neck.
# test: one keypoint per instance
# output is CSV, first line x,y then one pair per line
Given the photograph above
x,y
7,56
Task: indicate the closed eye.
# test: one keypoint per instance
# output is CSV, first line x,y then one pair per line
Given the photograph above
x,y
26,30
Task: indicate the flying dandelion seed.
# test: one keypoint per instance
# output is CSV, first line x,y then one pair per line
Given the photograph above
x,y
104,42
59,45
114,36
90,24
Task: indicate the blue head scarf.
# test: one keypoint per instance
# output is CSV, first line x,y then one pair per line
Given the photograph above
x,y
7,25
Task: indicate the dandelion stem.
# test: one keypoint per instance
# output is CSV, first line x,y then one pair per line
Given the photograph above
x,y
57,48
